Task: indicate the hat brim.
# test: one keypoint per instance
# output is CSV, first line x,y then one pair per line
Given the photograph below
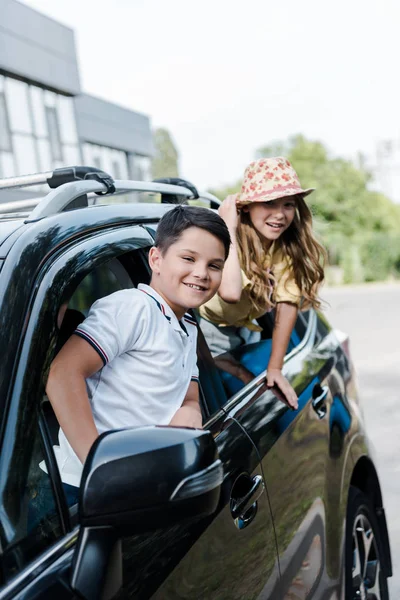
x,y
274,196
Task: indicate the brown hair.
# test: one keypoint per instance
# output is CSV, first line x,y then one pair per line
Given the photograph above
x,y
306,257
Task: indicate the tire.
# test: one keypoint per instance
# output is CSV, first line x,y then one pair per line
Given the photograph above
x,y
364,578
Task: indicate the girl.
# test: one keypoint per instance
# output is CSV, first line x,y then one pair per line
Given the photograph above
x,y
275,262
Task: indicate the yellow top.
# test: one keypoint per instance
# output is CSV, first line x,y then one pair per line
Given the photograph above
x,y
242,314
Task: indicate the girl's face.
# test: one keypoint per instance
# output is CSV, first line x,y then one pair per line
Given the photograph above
x,y
271,219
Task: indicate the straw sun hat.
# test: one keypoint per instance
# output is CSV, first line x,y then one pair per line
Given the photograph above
x,y
268,179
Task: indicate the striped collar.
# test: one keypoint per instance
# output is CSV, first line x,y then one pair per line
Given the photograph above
x,y
166,310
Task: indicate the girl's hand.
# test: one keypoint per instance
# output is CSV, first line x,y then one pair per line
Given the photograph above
x,y
276,379
229,212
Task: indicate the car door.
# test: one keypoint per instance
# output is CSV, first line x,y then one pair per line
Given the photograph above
x,y
37,540
301,470
233,554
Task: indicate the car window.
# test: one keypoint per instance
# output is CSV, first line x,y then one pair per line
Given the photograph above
x,y
241,355
119,273
33,522
323,327
302,323
33,512
102,281
38,522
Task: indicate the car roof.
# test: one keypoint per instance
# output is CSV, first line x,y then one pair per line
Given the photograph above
x,y
81,218
8,226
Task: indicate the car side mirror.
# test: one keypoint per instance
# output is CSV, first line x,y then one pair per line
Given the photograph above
x,y
136,480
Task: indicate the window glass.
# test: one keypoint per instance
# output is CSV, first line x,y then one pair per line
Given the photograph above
x,y
39,116
140,167
110,160
115,171
67,120
50,98
25,153
302,323
72,155
29,504
104,280
96,162
240,354
5,138
92,155
7,164
54,133
119,164
323,327
18,106
105,158
46,162
46,119
57,164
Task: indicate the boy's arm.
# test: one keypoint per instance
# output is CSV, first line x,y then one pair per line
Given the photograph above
x,y
189,414
66,389
285,319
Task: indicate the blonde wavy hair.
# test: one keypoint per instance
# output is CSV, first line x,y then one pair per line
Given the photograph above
x,y
306,256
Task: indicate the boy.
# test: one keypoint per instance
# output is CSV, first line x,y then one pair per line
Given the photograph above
x,y
132,362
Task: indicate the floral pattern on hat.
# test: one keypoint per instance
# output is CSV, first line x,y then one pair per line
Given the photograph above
x,y
268,179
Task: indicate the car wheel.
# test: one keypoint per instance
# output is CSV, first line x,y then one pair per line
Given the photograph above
x,y
364,579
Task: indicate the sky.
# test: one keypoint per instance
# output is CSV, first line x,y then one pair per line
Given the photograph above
x,y
226,76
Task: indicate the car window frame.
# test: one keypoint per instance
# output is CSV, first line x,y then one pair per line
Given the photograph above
x,y
51,283
250,388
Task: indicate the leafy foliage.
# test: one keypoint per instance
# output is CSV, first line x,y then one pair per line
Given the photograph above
x,y
165,161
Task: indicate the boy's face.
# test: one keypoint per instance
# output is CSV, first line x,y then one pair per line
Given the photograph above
x,y
189,273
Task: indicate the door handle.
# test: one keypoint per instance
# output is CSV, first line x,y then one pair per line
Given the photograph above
x,y
244,509
319,397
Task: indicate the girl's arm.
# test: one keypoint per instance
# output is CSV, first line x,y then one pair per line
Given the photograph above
x,y
230,289
285,319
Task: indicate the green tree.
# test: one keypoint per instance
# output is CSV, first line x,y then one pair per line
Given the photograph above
x,y
166,158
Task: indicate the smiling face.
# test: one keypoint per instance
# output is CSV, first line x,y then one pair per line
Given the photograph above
x,y
189,272
271,219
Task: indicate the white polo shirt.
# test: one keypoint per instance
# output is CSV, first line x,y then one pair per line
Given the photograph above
x,y
149,360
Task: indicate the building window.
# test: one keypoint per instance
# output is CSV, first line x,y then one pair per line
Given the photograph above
x,y
5,137
109,160
140,167
18,108
54,133
116,170
37,129
25,153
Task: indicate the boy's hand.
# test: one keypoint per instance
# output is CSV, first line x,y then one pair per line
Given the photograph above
x,y
187,416
275,379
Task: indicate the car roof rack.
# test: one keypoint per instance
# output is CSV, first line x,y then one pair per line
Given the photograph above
x,y
71,186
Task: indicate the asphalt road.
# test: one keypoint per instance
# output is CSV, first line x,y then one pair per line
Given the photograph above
x,y
371,315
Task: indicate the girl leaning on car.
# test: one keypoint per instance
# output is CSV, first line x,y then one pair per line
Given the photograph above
x,y
275,262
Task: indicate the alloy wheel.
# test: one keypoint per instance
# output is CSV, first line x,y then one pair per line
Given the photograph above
x,y
366,570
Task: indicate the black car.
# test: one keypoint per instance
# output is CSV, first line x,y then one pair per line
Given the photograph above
x,y
264,503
